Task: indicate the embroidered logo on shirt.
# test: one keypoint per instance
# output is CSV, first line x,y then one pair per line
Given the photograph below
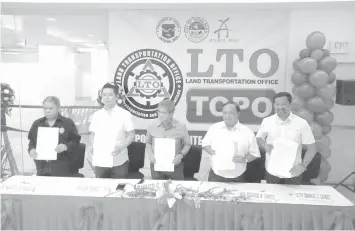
x,y
61,130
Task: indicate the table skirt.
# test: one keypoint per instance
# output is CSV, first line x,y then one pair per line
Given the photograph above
x,y
30,212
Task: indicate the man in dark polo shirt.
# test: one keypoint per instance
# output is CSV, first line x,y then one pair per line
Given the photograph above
x,y
68,140
167,127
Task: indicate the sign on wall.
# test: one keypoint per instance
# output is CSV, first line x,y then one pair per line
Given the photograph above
x,y
199,60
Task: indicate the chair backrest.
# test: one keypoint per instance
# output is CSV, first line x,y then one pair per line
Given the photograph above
x,y
192,160
313,168
256,171
78,156
136,155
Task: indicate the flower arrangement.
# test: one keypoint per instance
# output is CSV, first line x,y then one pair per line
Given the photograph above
x,y
7,98
121,95
168,194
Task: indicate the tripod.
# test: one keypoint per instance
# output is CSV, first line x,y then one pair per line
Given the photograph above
x,y
8,163
341,182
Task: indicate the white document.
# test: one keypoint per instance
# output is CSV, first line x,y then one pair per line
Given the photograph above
x,y
102,150
224,147
282,157
47,141
164,153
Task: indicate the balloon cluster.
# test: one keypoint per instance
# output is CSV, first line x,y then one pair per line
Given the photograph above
x,y
314,92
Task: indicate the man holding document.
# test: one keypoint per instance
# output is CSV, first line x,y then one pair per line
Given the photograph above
x,y
112,131
52,139
282,136
231,145
167,142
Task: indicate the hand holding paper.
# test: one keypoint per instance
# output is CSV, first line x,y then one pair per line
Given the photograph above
x,y
268,148
297,169
61,148
33,153
177,159
118,148
237,158
152,159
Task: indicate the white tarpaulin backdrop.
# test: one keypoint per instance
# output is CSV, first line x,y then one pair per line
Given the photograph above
x,y
198,59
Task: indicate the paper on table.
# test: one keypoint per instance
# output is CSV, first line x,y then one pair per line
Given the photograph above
x,y
282,157
164,153
103,147
225,149
47,141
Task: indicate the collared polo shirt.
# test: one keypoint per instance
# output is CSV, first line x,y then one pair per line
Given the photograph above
x,y
111,128
294,128
176,130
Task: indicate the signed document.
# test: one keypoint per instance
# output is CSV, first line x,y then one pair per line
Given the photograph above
x,y
225,150
102,151
47,141
164,153
282,157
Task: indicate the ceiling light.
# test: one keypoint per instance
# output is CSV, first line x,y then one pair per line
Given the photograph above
x,y
51,19
12,52
91,35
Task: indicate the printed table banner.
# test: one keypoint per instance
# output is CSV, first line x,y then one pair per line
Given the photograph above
x,y
198,59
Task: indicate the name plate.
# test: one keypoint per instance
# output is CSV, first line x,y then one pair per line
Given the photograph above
x,y
258,196
308,196
148,186
18,188
93,189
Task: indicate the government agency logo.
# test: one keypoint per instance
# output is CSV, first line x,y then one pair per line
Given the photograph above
x,y
168,30
223,33
148,76
196,29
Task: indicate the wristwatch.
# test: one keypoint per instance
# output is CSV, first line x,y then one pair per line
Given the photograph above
x,y
181,154
246,160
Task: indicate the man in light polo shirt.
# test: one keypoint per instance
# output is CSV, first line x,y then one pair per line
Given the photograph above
x,y
246,148
167,127
284,125
112,131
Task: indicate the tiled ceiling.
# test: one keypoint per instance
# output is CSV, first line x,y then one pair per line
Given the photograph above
x,y
84,25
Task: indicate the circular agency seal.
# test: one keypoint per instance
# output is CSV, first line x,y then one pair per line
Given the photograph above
x,y
196,29
168,30
148,76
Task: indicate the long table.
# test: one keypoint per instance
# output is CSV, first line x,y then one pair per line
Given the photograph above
x,y
52,203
